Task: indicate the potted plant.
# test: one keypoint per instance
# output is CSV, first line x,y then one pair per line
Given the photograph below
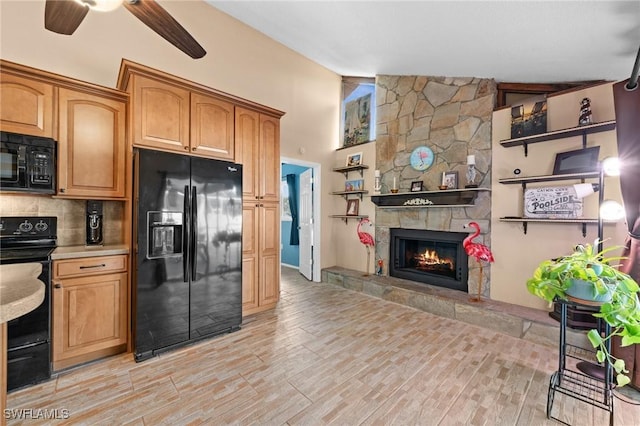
x,y
614,291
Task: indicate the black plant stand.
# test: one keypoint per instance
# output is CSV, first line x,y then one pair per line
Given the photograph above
x,y
589,388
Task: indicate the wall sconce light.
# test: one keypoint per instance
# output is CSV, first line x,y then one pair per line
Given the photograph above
x,y
585,189
611,210
611,166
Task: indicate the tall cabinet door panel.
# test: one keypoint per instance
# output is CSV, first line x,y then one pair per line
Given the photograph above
x,y
269,253
26,106
91,148
247,136
160,115
212,127
270,158
250,223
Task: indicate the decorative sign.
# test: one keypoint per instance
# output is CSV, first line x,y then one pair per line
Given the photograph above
x,y
558,202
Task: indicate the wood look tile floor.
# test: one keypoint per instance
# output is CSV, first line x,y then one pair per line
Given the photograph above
x,y
326,355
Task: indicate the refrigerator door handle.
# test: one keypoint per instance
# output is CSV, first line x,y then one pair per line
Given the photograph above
x,y
186,220
194,235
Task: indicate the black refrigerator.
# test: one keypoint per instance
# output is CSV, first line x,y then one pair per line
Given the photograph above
x,y
188,263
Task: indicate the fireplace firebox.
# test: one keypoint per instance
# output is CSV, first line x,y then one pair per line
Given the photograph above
x,y
430,257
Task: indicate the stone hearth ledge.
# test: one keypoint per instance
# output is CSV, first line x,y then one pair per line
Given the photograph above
x,y
529,324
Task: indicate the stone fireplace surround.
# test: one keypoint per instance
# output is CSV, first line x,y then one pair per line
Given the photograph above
x,y
452,116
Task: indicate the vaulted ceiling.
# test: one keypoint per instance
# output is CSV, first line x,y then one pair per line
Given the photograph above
x,y
518,41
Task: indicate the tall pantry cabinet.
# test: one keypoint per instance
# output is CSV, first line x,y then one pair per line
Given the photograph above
x,y
258,149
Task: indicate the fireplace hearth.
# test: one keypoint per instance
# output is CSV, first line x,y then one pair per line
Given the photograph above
x,y
429,257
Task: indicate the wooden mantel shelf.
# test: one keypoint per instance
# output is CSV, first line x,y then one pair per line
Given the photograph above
x,y
445,198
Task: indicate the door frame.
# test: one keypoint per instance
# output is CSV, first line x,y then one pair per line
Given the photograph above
x,y
316,209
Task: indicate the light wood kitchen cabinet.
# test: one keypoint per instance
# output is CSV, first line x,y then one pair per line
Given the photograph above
x,y
257,144
90,309
171,115
91,146
160,114
26,105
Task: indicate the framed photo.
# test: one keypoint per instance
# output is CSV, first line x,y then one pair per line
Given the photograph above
x,y
354,185
358,111
578,161
354,159
352,207
450,180
416,186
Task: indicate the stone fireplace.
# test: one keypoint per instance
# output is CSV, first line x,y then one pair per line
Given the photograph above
x,y
452,116
431,257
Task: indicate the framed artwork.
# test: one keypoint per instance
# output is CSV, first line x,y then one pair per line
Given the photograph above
x,y
450,180
358,111
416,186
577,161
354,185
352,207
354,159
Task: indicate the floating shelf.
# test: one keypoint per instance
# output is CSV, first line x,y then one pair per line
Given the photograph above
x,y
547,178
525,220
346,194
560,134
446,198
348,169
347,217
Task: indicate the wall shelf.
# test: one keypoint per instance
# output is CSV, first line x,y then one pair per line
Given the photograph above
x,y
346,194
346,169
445,198
525,220
547,178
347,217
560,134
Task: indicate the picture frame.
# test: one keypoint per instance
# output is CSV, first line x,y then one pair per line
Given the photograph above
x,y
416,186
353,207
357,124
583,160
354,185
450,179
354,159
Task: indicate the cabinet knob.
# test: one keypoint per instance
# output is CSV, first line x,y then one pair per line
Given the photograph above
x,y
193,149
61,189
57,285
186,148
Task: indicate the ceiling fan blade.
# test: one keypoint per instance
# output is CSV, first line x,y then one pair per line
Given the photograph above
x,y
160,21
63,16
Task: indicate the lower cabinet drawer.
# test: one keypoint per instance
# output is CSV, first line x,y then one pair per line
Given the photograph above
x,y
89,266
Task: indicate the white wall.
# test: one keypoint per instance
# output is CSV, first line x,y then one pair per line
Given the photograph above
x,y
517,255
239,61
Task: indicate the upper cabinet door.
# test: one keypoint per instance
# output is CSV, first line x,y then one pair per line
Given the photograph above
x,y
269,158
160,115
91,146
212,127
26,106
247,137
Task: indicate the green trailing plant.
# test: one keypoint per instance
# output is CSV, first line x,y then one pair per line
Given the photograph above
x,y
552,278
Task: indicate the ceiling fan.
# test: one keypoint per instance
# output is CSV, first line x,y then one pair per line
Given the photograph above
x,y
64,17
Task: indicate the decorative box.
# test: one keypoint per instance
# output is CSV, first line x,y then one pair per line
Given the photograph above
x,y
559,202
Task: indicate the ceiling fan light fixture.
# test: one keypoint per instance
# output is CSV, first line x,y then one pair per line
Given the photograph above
x,y
101,5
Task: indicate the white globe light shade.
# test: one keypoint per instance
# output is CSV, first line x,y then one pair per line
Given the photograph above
x,y
101,5
611,210
611,166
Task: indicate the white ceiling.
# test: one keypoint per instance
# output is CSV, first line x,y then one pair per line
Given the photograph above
x,y
514,41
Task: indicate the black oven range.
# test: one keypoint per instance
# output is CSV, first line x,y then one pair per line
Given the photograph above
x,y
25,239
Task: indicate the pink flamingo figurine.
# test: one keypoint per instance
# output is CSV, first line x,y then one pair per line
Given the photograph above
x,y
366,239
477,250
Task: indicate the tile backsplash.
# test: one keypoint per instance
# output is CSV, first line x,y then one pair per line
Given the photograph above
x,y
70,214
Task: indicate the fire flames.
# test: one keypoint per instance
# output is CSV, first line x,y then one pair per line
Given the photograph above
x,y
430,259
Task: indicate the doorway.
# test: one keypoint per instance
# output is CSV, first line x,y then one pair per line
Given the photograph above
x,y
307,250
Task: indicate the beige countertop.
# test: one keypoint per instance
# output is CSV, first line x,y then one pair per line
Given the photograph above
x,y
20,290
73,252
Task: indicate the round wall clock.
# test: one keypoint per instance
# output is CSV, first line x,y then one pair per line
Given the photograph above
x,y
421,158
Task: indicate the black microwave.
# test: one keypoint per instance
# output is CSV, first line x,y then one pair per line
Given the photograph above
x,y
27,163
